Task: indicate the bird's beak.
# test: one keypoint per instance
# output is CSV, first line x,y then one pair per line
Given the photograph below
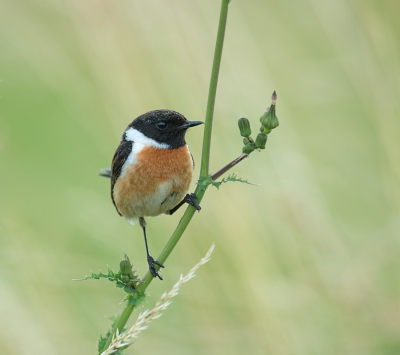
x,y
189,124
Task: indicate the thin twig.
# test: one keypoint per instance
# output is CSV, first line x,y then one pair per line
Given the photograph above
x,y
229,166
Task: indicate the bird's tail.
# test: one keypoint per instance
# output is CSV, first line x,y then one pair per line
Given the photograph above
x,y
105,172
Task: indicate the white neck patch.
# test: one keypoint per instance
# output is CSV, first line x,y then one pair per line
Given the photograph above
x,y
139,138
139,141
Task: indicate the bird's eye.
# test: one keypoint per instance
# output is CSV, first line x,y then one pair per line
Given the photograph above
x,y
161,125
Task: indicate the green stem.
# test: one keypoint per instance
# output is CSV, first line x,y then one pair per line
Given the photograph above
x,y
205,157
123,318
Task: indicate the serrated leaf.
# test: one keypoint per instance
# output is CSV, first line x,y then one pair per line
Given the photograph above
x,y
230,178
100,344
120,284
111,275
129,289
113,319
102,341
98,276
135,298
204,181
126,281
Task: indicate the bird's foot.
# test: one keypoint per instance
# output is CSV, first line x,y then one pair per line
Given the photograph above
x,y
152,268
191,200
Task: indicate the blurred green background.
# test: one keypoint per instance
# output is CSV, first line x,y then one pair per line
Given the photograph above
x,y
307,262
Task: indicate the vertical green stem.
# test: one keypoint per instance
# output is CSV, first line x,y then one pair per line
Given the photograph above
x,y
205,157
123,318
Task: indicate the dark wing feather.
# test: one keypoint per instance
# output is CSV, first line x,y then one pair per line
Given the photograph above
x,y
191,155
120,156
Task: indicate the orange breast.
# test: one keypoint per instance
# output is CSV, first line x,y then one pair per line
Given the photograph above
x,y
157,182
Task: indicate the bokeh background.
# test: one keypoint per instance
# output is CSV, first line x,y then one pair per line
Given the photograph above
x,y
306,262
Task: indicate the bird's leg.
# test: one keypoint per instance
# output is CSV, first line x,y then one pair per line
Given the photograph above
x,y
190,199
150,259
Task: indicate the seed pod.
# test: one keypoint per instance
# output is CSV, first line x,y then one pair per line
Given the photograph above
x,y
261,140
248,148
244,127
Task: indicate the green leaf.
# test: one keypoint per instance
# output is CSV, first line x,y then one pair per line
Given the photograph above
x,y
135,298
125,278
204,181
120,284
110,276
230,178
129,289
102,341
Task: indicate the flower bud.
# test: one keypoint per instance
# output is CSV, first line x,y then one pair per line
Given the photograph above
x,y
273,98
248,148
125,279
273,120
125,267
264,118
244,127
245,141
269,119
261,140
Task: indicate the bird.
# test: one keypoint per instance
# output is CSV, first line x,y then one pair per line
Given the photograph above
x,y
151,170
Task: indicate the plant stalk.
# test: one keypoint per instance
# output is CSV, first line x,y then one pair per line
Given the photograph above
x,y
123,318
205,157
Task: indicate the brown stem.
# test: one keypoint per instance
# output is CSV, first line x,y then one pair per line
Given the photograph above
x,y
229,166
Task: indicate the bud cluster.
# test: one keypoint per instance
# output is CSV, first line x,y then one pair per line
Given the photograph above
x,y
245,131
268,120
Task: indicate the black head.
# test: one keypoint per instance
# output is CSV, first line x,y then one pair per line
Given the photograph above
x,y
164,126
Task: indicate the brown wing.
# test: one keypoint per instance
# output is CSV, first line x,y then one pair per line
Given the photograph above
x,y
120,156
